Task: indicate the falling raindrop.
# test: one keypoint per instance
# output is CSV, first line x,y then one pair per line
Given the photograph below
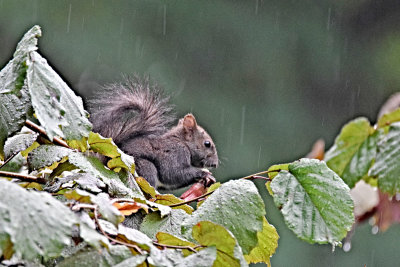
x,y
328,23
83,22
69,17
375,230
165,20
256,11
121,26
222,120
242,125
259,156
347,246
277,20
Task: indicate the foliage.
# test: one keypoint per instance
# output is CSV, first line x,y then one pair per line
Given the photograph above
x,y
91,193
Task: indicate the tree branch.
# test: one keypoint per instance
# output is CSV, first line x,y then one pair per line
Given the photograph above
x,y
23,177
8,160
96,215
260,173
36,128
193,249
190,201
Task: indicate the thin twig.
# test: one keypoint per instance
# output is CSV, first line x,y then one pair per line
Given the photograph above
x,y
260,173
96,215
254,177
79,206
250,177
193,249
23,177
117,200
56,140
190,201
8,160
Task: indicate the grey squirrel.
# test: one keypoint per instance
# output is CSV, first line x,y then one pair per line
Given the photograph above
x,y
137,117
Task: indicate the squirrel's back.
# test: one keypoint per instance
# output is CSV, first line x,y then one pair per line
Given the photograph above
x,y
132,109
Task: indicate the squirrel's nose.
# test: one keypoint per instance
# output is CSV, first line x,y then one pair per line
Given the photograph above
x,y
213,165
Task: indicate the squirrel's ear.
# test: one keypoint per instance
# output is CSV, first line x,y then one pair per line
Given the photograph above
x,y
189,122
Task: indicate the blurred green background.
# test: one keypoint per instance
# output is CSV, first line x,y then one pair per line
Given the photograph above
x,y
266,78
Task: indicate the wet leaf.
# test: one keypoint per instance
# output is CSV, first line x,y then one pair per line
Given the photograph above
x,y
19,143
266,246
56,106
102,258
94,167
314,201
386,167
204,258
233,205
128,208
169,199
106,147
171,224
353,151
172,240
146,187
210,234
35,223
47,155
389,118
14,97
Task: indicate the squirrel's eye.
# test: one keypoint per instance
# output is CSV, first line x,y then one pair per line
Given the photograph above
x,y
207,143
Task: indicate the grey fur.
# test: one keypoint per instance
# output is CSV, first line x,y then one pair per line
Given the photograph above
x,y
138,118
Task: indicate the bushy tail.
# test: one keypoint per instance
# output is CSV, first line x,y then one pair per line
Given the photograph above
x,y
132,109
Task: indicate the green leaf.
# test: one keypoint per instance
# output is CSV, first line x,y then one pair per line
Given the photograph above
x,y
47,155
146,187
14,97
361,161
211,234
213,187
13,110
169,199
102,200
107,210
204,258
233,205
314,201
56,106
134,236
106,147
164,210
169,239
266,246
387,165
19,143
132,261
102,145
92,237
35,223
347,143
100,258
389,118
171,224
275,169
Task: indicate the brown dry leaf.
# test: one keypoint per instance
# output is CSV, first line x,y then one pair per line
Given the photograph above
x,y
128,208
388,211
317,151
194,191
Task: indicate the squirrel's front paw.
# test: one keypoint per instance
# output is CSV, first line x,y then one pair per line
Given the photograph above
x,y
207,179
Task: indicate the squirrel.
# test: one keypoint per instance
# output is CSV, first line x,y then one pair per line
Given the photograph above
x,y
137,116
